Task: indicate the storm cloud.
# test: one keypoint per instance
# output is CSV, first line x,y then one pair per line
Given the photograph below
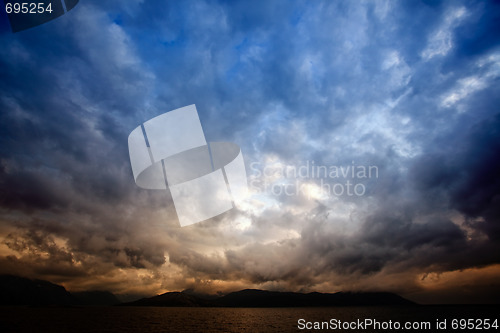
x,y
409,87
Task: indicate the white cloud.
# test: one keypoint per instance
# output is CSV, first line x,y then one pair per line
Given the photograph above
x,y
441,40
488,68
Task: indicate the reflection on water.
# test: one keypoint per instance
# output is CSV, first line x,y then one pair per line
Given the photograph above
x,y
153,319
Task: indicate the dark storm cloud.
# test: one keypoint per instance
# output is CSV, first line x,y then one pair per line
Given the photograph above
x,y
454,167
468,176
66,101
409,87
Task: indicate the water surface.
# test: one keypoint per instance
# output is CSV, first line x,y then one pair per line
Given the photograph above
x,y
157,319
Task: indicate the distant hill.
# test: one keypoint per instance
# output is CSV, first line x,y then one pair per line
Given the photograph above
x,y
15,290
263,298
201,295
96,298
172,299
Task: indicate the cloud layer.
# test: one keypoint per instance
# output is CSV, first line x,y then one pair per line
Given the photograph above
x,y
411,88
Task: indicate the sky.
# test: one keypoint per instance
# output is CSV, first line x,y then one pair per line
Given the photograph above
x,y
409,88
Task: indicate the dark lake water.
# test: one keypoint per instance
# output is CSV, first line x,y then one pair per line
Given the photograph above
x,y
154,319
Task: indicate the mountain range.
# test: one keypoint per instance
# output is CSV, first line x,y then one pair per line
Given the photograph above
x,y
16,290
264,298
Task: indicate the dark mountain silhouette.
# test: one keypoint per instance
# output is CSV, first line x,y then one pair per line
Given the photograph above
x,y
263,298
172,299
15,290
96,298
201,295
